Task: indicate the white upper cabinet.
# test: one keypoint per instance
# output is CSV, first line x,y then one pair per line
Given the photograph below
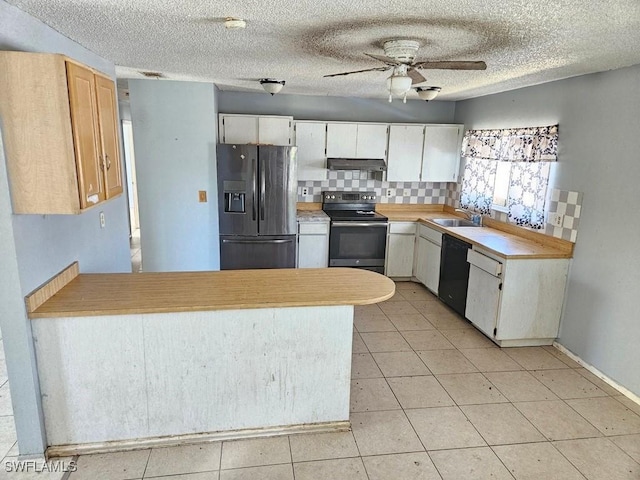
x,y
275,130
441,155
311,140
238,129
404,162
342,140
356,140
371,141
243,129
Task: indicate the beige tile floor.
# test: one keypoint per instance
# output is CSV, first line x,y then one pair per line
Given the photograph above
x,y
8,441
431,399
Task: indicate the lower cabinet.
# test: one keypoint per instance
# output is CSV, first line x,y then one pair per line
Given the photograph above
x,y
400,247
427,257
516,302
313,244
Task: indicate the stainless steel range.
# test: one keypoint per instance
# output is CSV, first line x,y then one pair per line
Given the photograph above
x,y
358,234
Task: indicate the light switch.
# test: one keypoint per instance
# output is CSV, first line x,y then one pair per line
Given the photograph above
x,y
102,220
202,196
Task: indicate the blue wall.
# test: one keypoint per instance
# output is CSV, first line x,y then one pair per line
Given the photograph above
x,y
598,155
346,109
36,247
174,135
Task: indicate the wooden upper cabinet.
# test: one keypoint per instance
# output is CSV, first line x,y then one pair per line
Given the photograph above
x,y
109,140
60,132
86,139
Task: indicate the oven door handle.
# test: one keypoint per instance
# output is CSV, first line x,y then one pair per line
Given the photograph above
x,y
359,224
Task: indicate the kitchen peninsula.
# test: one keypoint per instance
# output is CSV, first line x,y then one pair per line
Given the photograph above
x,y
137,360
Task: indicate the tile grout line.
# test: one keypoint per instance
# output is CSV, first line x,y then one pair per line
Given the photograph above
x,y
293,470
67,474
146,465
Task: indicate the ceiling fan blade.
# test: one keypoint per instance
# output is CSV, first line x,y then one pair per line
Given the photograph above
x,y
416,76
451,65
383,59
378,69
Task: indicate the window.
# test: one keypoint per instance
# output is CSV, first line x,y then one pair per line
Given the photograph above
x,y
501,186
519,188
508,170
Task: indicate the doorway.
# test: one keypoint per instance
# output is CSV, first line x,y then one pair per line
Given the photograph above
x,y
132,188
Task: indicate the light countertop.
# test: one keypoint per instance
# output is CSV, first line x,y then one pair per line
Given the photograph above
x,y
312,216
132,293
505,240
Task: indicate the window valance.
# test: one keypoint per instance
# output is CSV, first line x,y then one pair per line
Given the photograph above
x,y
531,144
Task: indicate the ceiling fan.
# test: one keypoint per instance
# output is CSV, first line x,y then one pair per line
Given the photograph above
x,y
399,56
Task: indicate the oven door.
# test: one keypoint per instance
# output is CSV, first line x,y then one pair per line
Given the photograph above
x,y
358,244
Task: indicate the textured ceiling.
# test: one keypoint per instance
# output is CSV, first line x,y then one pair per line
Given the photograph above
x,y
523,42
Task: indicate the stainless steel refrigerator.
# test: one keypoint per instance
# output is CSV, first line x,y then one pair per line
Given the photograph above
x,y
257,194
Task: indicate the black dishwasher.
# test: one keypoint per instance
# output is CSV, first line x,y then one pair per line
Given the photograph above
x,y
454,273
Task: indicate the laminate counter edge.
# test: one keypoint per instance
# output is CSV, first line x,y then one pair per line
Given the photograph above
x,y
52,286
168,292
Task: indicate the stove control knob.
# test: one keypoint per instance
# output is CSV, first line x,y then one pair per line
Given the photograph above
x,y
332,197
372,197
328,197
364,197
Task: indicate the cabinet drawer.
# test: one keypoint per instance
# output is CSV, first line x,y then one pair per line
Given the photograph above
x,y
485,263
430,234
402,227
313,228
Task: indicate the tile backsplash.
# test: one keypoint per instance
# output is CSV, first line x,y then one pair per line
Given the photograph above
x,y
387,192
453,195
568,204
561,202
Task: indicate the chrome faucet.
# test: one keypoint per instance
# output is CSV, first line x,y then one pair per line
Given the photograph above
x,y
473,216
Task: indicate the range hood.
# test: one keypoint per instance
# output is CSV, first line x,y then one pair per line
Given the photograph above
x,y
366,164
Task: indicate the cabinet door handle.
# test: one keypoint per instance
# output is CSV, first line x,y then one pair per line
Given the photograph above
x,y
106,157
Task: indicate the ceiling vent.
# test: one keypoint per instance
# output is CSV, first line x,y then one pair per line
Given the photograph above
x,y
152,74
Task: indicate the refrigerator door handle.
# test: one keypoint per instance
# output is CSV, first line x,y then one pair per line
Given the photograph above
x,y
279,241
263,187
253,189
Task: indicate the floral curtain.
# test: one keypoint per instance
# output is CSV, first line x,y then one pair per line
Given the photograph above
x,y
477,185
527,193
530,149
533,144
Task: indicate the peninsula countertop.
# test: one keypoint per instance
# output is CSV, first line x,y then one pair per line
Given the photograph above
x,y
133,293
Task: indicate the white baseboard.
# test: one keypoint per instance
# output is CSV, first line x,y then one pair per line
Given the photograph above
x,y
176,440
623,391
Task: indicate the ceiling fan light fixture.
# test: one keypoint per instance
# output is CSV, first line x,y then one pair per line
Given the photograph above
x,y
231,23
428,93
398,84
272,86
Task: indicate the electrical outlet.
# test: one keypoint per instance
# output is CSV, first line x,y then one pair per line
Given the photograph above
x,y
305,191
389,192
102,220
202,196
557,219
407,192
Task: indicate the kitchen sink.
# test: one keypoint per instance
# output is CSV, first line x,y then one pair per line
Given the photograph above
x,y
455,222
